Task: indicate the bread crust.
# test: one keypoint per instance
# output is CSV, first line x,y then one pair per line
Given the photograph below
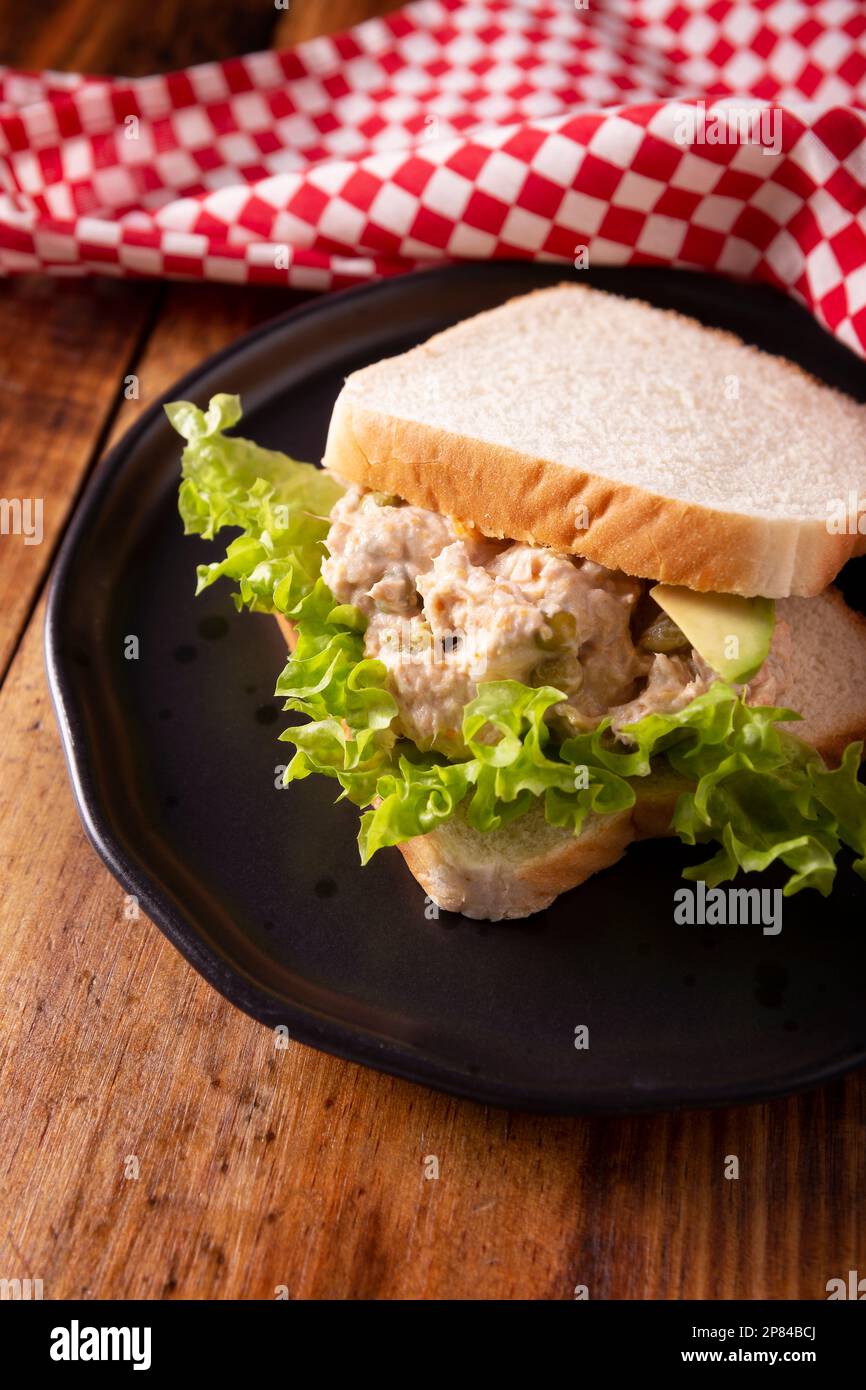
x,y
489,893
287,628
507,494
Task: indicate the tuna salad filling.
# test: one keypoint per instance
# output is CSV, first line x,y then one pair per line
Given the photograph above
x,y
447,608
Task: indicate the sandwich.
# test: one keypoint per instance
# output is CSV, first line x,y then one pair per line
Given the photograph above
x,y
563,582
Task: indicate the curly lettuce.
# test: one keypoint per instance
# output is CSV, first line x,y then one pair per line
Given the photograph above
x,y
761,794
280,506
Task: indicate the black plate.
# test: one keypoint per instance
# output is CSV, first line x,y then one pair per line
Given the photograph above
x,y
173,760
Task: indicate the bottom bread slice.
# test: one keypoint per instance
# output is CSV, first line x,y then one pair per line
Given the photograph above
x,y
521,868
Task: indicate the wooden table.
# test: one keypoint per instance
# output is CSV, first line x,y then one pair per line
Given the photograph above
x,y
301,1170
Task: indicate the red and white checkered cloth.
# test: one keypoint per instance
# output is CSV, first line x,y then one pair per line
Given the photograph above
x,y
467,129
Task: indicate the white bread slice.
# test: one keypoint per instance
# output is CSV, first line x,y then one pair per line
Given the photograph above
x,y
827,685
521,868
605,427
514,871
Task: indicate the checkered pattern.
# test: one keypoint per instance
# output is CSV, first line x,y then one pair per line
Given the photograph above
x,y
715,134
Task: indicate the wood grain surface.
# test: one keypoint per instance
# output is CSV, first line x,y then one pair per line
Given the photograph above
x,y
259,1168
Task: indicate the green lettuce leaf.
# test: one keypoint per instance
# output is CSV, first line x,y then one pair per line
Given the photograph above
x,y
761,794
280,505
511,764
